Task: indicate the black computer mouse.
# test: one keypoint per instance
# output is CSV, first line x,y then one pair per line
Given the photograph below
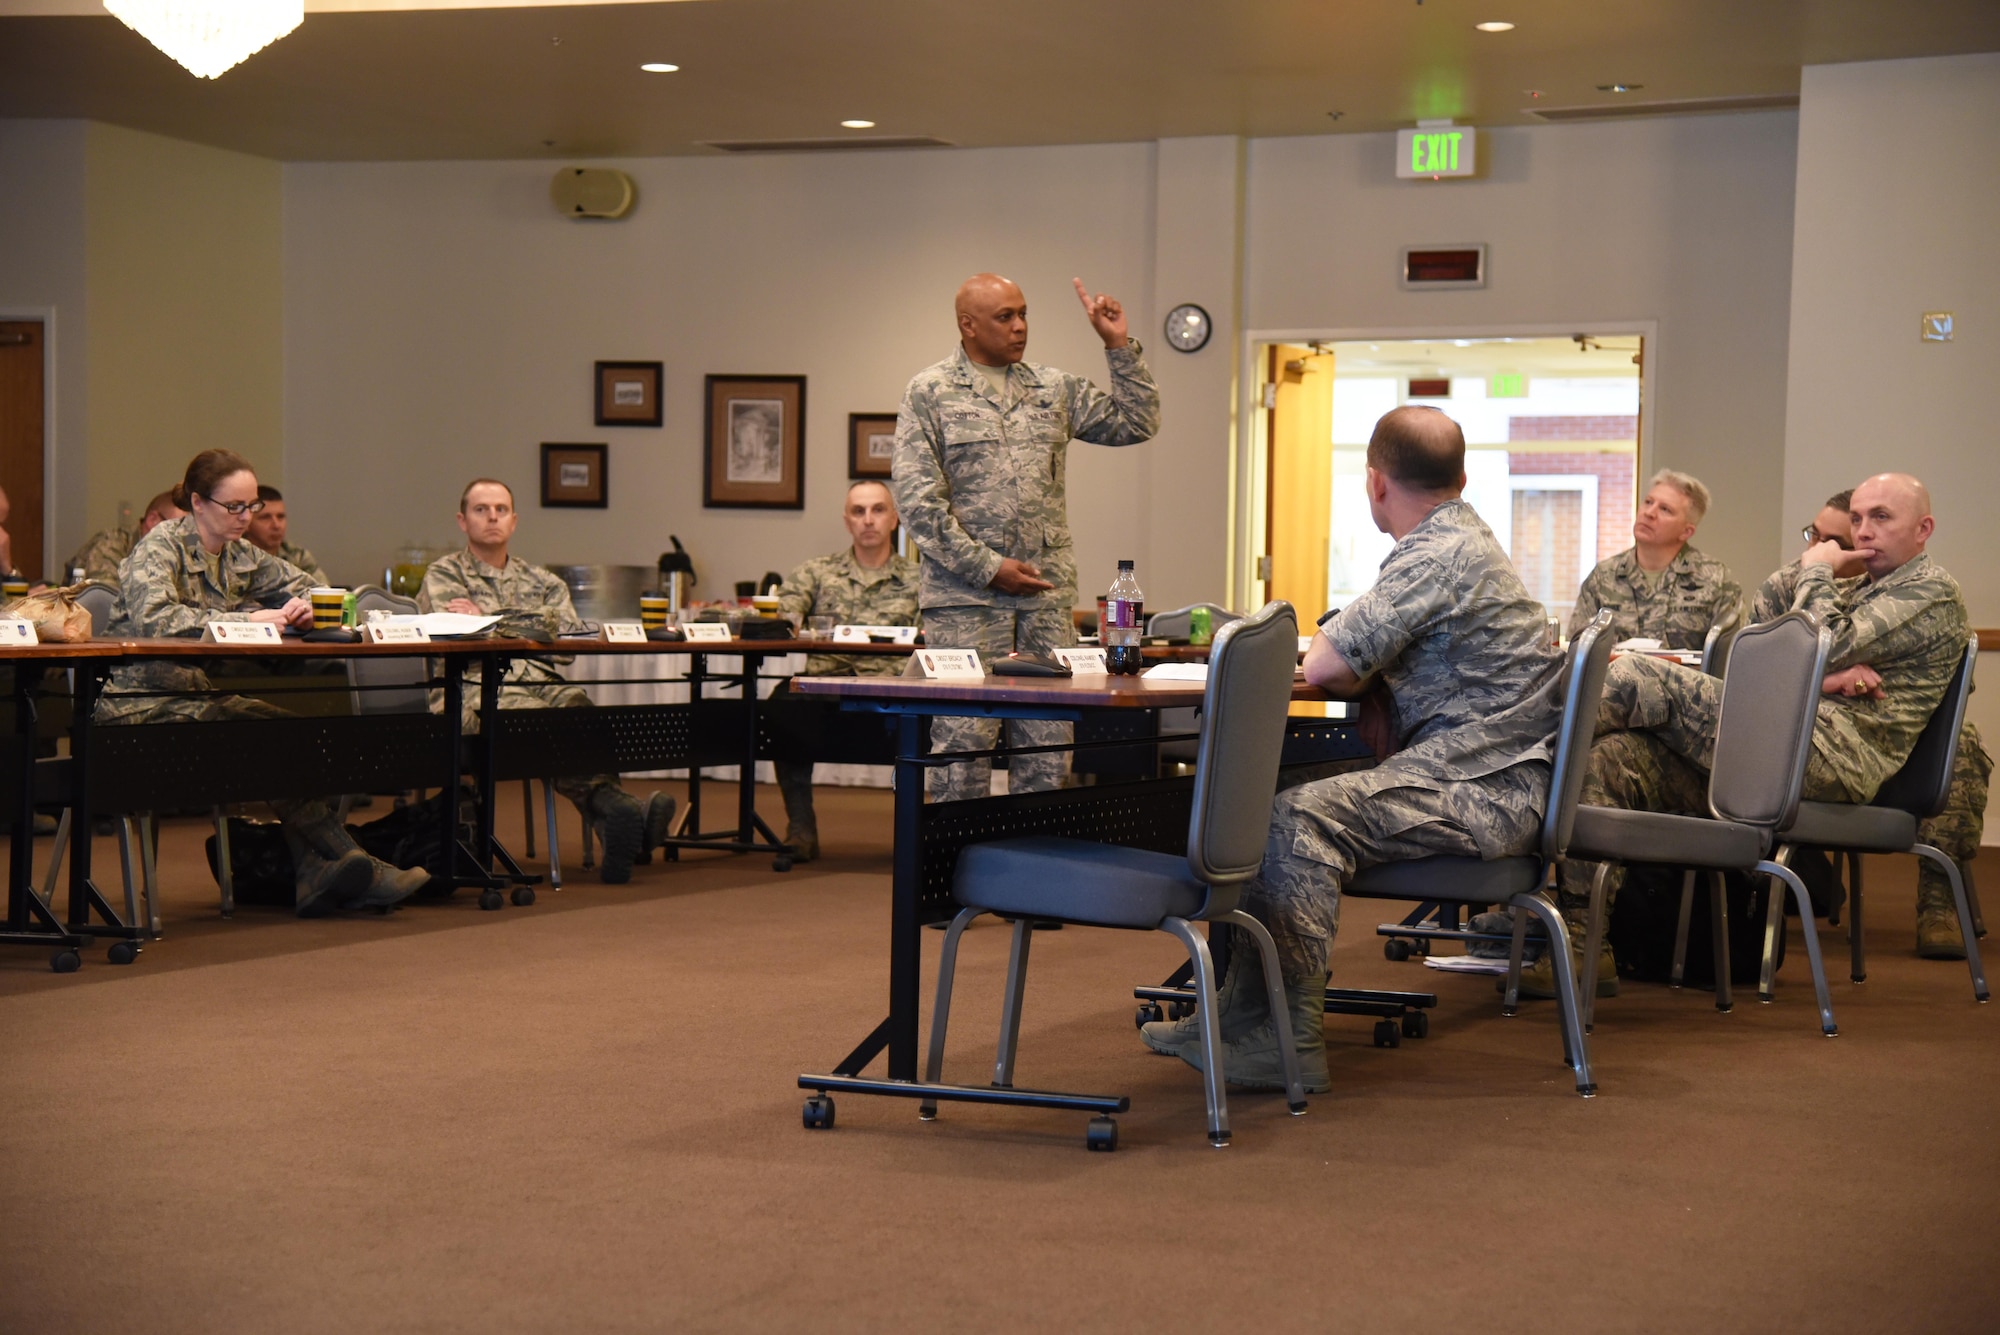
x,y
1029,665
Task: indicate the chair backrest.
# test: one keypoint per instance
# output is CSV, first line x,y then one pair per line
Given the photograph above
x,y
1176,624
1921,785
1769,702
1583,687
387,685
1715,651
101,601
1243,712
372,598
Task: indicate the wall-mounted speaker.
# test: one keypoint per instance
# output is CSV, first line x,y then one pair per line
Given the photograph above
x,y
592,192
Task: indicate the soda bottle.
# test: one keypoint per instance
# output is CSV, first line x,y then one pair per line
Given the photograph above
x,y
1124,622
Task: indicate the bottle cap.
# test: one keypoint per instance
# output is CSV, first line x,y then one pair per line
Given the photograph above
x,y
1124,565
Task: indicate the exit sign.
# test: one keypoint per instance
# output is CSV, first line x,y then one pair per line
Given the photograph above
x,y
1507,385
1436,152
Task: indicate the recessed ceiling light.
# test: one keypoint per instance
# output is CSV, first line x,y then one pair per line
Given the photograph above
x,y
1619,87
1495,26
658,67
857,125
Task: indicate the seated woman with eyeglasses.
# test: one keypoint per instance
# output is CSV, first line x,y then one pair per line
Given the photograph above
x,y
196,569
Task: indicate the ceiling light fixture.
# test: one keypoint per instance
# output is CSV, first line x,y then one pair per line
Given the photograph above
x,y
857,125
1619,87
658,67
208,37
1495,26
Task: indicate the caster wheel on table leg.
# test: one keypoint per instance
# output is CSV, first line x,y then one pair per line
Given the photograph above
x,y
819,1112
123,952
1416,1024
524,895
1396,950
1388,1034
490,900
65,961
1150,1013
1102,1135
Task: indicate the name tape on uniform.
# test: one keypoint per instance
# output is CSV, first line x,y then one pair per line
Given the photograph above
x,y
625,632
950,664
1083,662
867,634
709,631
15,630
243,632
390,633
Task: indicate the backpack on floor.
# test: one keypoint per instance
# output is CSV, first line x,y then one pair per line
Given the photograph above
x,y
260,864
408,837
1647,912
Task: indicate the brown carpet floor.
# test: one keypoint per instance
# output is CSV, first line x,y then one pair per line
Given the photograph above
x,y
582,1116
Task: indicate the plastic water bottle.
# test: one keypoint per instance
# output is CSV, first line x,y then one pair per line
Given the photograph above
x,y
1124,622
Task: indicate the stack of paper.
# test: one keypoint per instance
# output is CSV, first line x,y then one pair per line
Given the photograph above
x,y
1178,671
447,625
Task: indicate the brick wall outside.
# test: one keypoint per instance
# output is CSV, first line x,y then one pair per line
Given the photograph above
x,y
1616,484
1572,428
1548,526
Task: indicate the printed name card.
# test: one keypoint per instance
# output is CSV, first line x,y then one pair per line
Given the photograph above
x,y
705,631
388,632
951,664
1083,662
243,632
15,631
866,634
624,632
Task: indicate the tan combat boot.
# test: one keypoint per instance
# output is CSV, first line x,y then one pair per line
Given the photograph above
x,y
1240,1004
1254,1060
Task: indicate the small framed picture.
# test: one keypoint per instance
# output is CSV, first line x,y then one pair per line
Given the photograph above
x,y
573,476
628,394
871,444
755,428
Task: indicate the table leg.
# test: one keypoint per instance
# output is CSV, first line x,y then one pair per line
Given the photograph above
x,y
906,956
490,676
21,844
454,710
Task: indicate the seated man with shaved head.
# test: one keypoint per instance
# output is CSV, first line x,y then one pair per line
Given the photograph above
x,y
1899,631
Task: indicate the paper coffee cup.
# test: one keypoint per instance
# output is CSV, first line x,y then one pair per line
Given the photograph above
x,y
328,606
653,610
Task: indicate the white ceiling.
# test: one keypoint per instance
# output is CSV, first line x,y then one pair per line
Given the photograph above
x,y
563,81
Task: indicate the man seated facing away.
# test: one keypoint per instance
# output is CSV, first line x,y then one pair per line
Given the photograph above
x,y
484,580
1461,695
267,531
1898,634
100,557
1957,829
1661,587
865,585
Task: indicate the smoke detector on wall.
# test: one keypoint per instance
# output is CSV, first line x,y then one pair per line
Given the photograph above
x,y
592,192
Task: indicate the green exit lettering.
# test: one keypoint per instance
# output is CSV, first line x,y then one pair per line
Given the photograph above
x,y
1507,385
1435,153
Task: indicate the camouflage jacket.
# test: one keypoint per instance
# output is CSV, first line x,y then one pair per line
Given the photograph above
x,y
1453,633
170,587
1911,627
1776,594
841,587
530,602
1675,606
302,559
978,478
102,555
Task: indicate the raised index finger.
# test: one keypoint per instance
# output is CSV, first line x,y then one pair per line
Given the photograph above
x,y
1082,294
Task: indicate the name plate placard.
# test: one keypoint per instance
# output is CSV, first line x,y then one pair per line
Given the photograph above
x,y
710,632
381,632
950,664
243,632
15,630
624,632
1083,662
867,634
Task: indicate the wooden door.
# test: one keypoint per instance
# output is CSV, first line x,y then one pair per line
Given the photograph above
x,y
1300,487
21,426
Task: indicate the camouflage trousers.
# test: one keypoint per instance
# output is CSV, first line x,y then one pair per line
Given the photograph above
x,y
1957,829
996,632
1324,831
538,695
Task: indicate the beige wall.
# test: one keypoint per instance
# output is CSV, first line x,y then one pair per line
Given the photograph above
x,y
185,306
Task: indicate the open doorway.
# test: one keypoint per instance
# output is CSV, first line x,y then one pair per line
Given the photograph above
x,y
1552,430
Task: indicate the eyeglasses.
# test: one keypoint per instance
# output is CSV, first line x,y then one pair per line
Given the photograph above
x,y
1812,534
236,509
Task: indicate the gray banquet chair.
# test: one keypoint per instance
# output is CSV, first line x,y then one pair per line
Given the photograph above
x,y
1769,702
1106,885
1715,651
1177,623
1518,881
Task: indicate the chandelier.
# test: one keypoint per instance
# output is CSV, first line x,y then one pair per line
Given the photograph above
x,y
209,36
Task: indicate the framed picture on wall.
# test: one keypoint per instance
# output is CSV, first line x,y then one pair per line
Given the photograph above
x,y
628,394
871,444
574,476
755,432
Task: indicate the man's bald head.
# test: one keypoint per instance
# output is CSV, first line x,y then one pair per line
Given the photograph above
x,y
1891,513
992,319
1912,492
1420,449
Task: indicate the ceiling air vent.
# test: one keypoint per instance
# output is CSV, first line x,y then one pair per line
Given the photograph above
x,y
843,144
1685,107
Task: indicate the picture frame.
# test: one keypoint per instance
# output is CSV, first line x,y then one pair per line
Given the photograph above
x,y
628,393
575,476
754,434
871,441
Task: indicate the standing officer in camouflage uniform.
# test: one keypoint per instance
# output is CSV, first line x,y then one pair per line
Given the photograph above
x,y
196,569
268,531
1954,831
868,584
1660,587
981,442
1473,701
484,580
1897,639
100,557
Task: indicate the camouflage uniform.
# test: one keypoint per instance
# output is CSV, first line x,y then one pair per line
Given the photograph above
x,y
300,558
103,554
1957,829
1657,725
841,587
1675,606
1463,650
533,604
979,476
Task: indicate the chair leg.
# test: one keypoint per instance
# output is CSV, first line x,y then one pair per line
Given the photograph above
x,y
1576,1044
1857,961
54,873
131,872
225,875
555,849
1207,1027
1510,1003
1804,901
1010,1004
1961,891
1681,931
149,866
528,817
941,1011
1274,992
1774,923
1593,944
1718,916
